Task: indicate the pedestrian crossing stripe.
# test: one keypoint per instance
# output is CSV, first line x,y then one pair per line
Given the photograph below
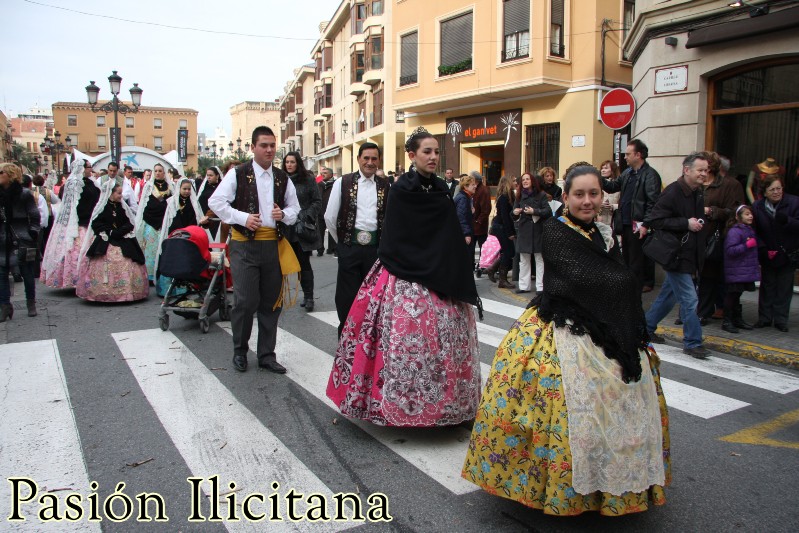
x,y
771,380
213,432
38,436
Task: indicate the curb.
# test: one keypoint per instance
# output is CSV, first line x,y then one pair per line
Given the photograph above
x,y
747,350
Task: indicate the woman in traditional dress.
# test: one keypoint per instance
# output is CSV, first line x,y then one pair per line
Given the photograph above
x,y
151,216
60,262
408,353
212,178
111,267
182,210
573,417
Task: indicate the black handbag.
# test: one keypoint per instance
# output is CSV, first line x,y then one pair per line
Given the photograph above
x,y
714,250
664,247
618,225
307,230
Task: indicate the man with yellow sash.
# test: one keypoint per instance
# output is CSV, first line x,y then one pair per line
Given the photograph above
x,y
257,199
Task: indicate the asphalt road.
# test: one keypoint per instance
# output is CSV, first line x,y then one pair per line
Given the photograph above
x,y
198,417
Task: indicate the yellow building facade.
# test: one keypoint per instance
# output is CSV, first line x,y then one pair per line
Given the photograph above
x,y
509,86
295,115
154,128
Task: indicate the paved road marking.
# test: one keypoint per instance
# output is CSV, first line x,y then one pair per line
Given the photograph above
x,y
697,402
438,452
761,378
759,434
214,432
38,435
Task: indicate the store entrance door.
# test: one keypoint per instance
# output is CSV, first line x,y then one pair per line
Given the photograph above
x,y
492,162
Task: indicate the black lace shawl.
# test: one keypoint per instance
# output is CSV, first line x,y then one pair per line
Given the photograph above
x,y
595,292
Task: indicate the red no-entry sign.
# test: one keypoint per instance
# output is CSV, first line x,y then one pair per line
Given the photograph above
x,y
617,109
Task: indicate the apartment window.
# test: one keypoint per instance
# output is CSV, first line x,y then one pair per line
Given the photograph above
x,y
374,51
377,7
361,113
328,99
543,146
158,123
101,142
129,122
556,42
409,58
356,72
100,121
72,120
73,139
377,106
627,21
516,21
358,16
158,143
130,140
299,120
456,45
298,95
183,124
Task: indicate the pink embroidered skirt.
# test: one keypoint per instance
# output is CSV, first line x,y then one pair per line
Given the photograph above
x,y
406,357
65,274
112,278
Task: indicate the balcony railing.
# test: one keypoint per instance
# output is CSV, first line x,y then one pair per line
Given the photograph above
x,y
409,79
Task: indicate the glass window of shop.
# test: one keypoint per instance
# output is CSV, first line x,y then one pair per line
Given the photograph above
x,y
754,115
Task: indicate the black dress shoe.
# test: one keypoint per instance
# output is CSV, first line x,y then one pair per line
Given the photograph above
x,y
303,303
781,327
703,321
272,365
308,304
657,339
240,363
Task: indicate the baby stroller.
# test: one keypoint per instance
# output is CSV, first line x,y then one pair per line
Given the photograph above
x,y
199,269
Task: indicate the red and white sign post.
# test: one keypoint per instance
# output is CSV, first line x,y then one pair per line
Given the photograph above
x,y
617,109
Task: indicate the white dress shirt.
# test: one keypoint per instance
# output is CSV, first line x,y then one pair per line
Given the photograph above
x,y
366,206
224,195
44,216
129,195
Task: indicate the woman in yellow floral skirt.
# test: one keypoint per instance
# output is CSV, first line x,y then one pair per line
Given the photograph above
x,y
573,417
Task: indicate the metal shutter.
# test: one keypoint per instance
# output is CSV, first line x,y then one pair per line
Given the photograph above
x,y
516,16
456,39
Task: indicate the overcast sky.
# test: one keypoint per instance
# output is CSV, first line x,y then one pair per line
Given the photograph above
x,y
50,54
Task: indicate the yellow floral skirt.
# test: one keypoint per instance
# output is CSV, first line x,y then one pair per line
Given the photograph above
x,y
519,447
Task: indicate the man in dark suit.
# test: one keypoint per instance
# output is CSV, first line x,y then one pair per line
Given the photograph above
x,y
452,183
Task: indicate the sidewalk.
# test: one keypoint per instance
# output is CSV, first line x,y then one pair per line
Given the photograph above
x,y
766,345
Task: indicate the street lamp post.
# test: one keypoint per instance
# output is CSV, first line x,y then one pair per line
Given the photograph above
x,y
55,147
115,106
213,151
239,152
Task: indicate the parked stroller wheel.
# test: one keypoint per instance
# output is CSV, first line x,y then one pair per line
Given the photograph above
x,y
205,324
163,322
224,312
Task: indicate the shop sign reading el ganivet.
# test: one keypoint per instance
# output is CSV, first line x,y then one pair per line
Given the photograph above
x,y
503,129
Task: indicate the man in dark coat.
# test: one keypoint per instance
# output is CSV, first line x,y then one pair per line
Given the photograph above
x,y
640,187
325,186
679,210
452,183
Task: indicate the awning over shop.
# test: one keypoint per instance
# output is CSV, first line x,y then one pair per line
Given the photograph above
x,y
739,29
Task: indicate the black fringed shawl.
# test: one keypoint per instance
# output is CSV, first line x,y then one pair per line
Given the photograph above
x,y
596,292
422,240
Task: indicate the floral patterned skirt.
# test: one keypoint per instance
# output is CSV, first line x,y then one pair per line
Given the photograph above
x,y
149,245
112,278
520,448
406,357
65,274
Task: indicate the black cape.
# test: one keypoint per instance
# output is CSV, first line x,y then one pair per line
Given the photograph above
x,y
593,292
422,240
115,223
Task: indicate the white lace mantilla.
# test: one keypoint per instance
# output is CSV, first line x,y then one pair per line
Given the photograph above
x,y
614,427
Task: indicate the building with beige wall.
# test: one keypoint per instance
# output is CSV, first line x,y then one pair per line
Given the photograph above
x,y
295,113
710,76
353,92
246,116
509,86
6,139
154,128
